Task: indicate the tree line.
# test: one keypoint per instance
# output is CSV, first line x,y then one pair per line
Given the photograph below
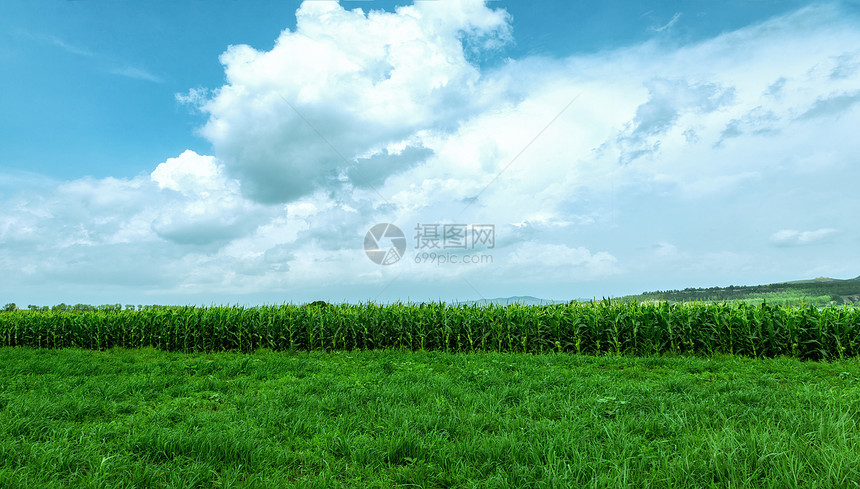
x,y
84,307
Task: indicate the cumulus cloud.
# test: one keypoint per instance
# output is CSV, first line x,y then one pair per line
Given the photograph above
x,y
190,174
580,162
106,227
345,84
210,208
378,166
791,237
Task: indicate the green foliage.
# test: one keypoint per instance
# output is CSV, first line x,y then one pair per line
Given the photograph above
x,y
397,419
822,291
597,328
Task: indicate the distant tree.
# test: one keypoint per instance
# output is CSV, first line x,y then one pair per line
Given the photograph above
x,y
33,307
129,307
10,307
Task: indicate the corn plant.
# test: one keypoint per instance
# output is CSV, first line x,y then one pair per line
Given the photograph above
x,y
596,328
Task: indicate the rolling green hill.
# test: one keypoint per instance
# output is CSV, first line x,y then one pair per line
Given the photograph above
x,y
821,290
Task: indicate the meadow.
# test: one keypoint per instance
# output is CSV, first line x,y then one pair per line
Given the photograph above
x,y
138,418
601,394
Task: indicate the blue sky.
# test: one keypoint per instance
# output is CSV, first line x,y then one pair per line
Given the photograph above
x,y
615,146
95,91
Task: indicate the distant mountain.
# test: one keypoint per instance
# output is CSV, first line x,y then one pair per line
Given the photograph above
x,y
821,290
520,299
814,280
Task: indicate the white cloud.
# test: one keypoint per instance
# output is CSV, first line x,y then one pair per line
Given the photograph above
x,y
195,97
89,225
668,25
211,208
664,250
189,173
695,148
560,262
60,43
831,106
345,84
136,73
791,237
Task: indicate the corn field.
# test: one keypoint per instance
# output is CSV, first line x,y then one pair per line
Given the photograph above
x,y
596,328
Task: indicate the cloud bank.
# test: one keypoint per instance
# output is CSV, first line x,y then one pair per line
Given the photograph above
x,y
673,166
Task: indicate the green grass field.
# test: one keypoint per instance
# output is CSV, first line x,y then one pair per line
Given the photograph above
x,y
148,418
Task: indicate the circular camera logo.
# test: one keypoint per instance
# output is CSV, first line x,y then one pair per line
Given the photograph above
x,y
385,244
